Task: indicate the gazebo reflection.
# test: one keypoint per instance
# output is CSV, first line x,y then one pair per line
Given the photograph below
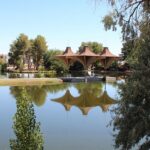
x,y
86,101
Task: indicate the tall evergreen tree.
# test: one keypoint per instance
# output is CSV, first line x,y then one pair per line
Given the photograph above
x,y
18,50
39,47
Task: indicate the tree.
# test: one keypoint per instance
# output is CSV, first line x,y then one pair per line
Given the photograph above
x,y
131,120
51,63
26,129
128,15
18,50
39,47
94,46
132,114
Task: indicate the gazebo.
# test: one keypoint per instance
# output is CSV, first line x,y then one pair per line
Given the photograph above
x,y
67,57
106,58
86,57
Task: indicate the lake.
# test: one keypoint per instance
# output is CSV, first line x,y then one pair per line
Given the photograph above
x,y
70,116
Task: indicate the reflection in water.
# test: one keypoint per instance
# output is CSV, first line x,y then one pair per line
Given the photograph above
x,y
94,88
83,96
26,129
89,97
38,94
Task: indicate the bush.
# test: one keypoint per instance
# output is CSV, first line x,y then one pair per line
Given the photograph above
x,y
3,67
41,68
39,75
50,74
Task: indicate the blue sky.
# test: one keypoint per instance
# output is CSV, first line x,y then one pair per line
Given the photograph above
x,y
62,22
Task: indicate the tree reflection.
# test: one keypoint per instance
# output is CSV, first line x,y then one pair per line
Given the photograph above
x,y
95,88
26,129
38,93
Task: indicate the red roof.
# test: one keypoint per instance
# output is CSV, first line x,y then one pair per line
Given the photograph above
x,y
67,52
107,53
87,52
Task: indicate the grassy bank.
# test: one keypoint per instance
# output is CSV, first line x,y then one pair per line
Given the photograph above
x,y
29,81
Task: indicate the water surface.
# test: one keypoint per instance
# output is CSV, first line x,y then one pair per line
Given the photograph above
x,y
63,117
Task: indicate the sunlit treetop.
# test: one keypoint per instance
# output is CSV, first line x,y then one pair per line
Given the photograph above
x,y
127,14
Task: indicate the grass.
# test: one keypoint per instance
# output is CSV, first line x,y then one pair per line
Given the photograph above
x,y
29,81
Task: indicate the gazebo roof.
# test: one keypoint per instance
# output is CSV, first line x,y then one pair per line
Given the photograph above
x,y
86,52
68,52
86,57
107,53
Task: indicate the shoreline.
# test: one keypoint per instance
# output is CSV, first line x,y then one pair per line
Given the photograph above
x,y
29,81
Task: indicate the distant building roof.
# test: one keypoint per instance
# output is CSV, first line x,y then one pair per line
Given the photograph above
x,y
86,57
87,52
68,52
107,53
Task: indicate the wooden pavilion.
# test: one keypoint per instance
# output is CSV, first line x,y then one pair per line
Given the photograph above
x,y
106,58
86,57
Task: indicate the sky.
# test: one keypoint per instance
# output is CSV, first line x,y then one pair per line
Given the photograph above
x,y
62,22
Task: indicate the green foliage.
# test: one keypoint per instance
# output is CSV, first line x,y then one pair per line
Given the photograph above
x,y
38,94
76,66
23,51
131,121
126,15
94,89
26,129
39,75
51,63
3,67
132,115
94,46
41,68
114,66
50,74
109,22
39,47
18,51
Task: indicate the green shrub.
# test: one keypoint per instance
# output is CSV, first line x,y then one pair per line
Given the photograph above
x,y
50,74
3,67
39,75
41,68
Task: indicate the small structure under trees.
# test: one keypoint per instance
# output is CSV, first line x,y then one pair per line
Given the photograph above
x,y
86,57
